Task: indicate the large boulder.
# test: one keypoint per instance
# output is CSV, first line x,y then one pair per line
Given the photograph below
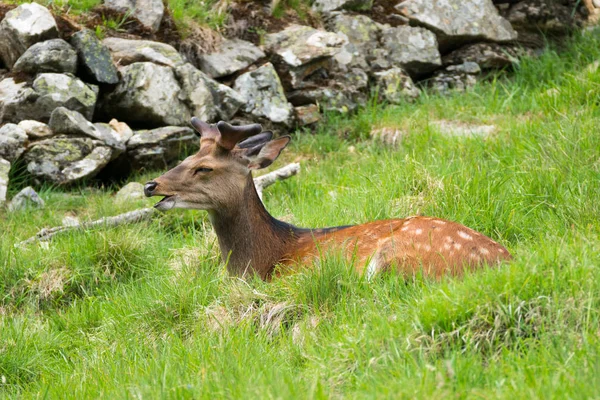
x,y
4,171
160,148
396,86
71,123
263,95
94,58
298,51
231,56
22,27
458,22
362,34
148,12
64,160
12,142
413,49
206,98
59,90
333,5
54,55
129,51
148,94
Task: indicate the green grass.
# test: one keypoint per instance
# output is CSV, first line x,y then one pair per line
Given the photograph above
x,y
147,311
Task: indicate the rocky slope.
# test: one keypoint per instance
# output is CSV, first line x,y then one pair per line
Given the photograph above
x,y
72,105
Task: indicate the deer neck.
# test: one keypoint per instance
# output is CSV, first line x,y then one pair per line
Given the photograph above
x,y
250,239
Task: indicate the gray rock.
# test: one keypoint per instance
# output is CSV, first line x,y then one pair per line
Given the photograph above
x,y
16,100
395,86
4,171
455,77
160,148
263,95
307,115
64,160
58,90
547,16
459,21
487,55
298,51
148,12
128,51
362,34
26,198
413,49
22,27
54,55
12,142
121,130
206,98
35,129
148,94
94,58
131,191
459,128
231,56
71,123
333,5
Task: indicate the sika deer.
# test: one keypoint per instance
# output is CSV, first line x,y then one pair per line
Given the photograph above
x,y
218,179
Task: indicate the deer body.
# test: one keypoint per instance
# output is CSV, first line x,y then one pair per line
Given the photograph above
x,y
218,179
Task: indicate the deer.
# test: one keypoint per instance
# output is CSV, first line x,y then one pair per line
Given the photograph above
x,y
218,179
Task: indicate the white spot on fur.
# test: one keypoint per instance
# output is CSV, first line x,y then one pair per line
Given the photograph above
x,y
448,239
404,229
501,250
439,221
418,231
474,257
447,246
465,235
427,247
457,246
484,251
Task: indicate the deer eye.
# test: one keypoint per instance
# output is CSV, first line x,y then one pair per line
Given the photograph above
x,y
202,170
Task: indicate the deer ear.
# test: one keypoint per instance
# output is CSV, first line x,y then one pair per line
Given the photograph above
x,y
263,155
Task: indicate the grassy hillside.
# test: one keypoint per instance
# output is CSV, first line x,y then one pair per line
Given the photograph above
x,y
146,311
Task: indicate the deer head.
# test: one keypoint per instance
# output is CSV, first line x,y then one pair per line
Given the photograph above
x,y
215,177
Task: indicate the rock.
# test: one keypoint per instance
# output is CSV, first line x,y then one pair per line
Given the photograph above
x,y
64,160
35,129
20,101
362,34
231,56
455,77
148,12
206,98
413,49
459,22
71,123
127,51
160,148
4,171
300,50
94,57
395,86
54,55
58,90
121,129
545,16
12,142
22,27
486,55
306,115
148,94
26,198
263,95
459,128
333,5
131,191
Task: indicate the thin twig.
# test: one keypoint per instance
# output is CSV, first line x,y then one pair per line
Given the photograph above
x,y
278,175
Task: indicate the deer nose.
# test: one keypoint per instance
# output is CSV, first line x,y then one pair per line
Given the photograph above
x,y
149,188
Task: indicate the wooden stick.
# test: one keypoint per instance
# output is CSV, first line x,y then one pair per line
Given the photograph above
x,y
143,214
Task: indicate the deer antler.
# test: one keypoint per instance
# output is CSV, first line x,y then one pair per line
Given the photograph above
x,y
228,136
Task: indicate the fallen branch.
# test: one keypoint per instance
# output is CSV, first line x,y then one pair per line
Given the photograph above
x,y
278,175
143,214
